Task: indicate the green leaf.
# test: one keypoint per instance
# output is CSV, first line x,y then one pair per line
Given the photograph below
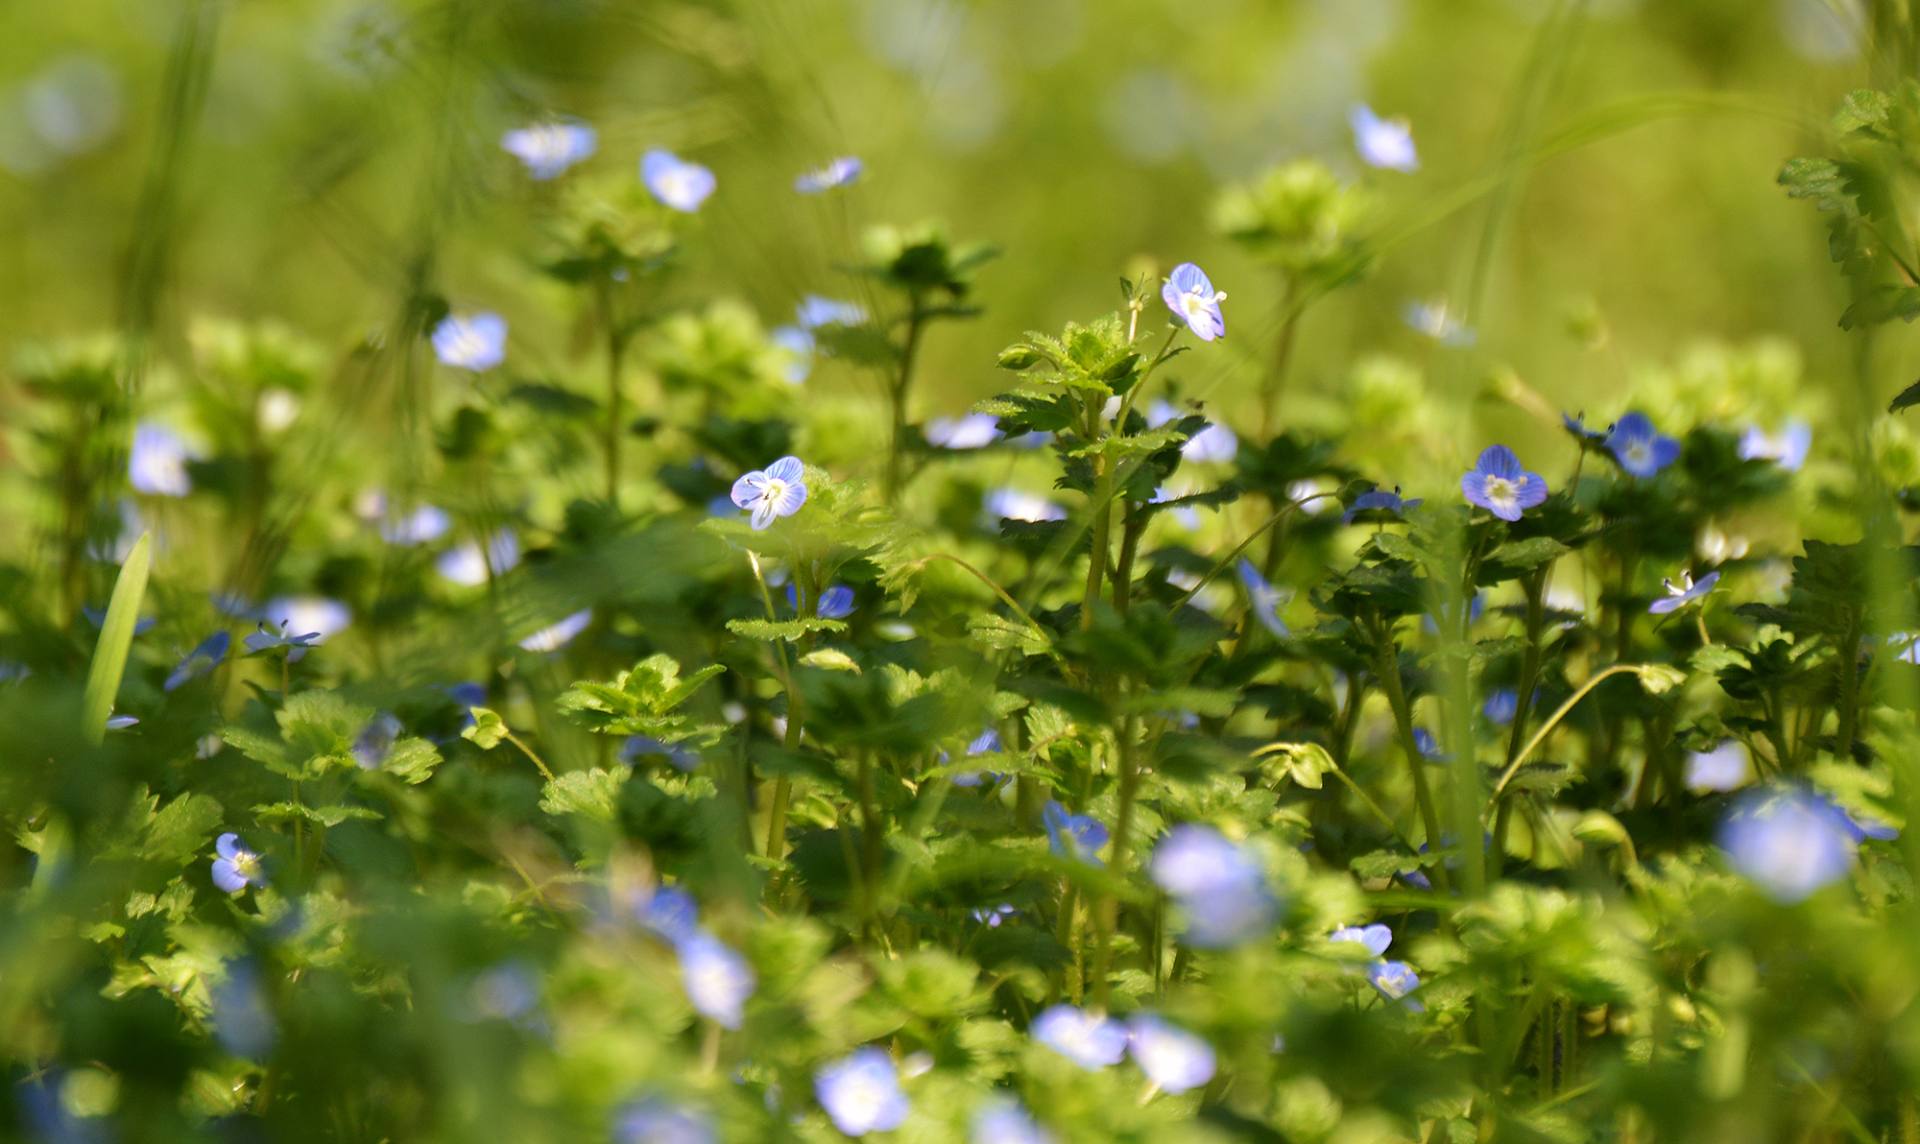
x,y
1304,763
594,794
789,630
1906,398
116,640
830,659
487,730
1004,633
281,812
412,760
1658,678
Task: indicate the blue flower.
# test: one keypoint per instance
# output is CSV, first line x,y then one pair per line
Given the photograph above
x,y
674,181
423,525
814,312
267,638
797,344
375,741
1501,705
1639,447
836,603
1576,424
1788,841
313,614
1076,836
1383,143
1725,767
973,431
122,722
1787,448
558,634
465,564
861,1092
986,742
1436,321
681,757
1191,296
1394,980
1263,599
1685,592
773,492
200,661
236,867
157,462
1862,828
1380,500
548,149
1374,938
669,913
992,916
1175,1060
1013,504
241,1019
837,173
657,1120
1216,442
1089,1040
1498,484
475,342
1429,746
1220,886
1001,1120
717,980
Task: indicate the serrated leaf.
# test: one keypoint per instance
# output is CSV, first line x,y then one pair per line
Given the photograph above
x,y
412,760
789,630
1304,763
488,728
280,812
1003,633
1658,678
593,793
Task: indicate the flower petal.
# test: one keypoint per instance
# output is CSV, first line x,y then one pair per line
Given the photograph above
x,y
786,469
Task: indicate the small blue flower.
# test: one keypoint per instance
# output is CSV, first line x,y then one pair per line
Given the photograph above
x,y
1013,504
836,603
837,173
657,1120
1374,938
1788,841
423,525
1076,836
122,722
1501,705
548,149
1498,484
1639,447
266,639
1263,599
668,912
1194,302
861,1092
1220,886
1787,448
973,431
1428,746
1001,1120
679,756
1394,980
992,916
242,1021
798,345
157,462
1726,767
1576,424
1862,828
1685,592
1175,1060
1383,143
1380,500
1436,321
236,867
465,565
717,980
558,634
814,312
1214,443
509,991
474,342
375,741
1089,1040
675,182
200,661
316,614
773,492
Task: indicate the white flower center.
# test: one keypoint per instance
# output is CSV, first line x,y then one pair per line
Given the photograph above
x,y
1639,452
1193,304
246,864
1502,491
775,491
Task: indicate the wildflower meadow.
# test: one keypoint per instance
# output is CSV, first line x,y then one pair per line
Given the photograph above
x,y
1002,571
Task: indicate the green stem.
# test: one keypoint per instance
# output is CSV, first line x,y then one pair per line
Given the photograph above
x,y
1389,671
897,392
1122,829
616,351
1554,721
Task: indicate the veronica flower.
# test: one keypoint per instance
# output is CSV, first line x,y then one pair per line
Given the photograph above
x,y
674,181
657,1120
669,913
558,634
1012,504
423,525
1186,514
1380,500
1685,592
973,431
1173,1059
680,757
773,492
1219,886
122,722
837,173
1076,836
992,916
1001,1120
265,639
1501,705
1861,828
1788,841
798,344
813,312
1374,938
474,342
1576,424
717,980
157,462
1787,448
375,741
1089,1040
242,1022
315,614
1214,443
1436,321
1194,302
1263,599
1394,980
861,1092
235,867
1498,484
466,565
1428,746
1725,767
1383,143
201,660
548,149
986,742
1639,447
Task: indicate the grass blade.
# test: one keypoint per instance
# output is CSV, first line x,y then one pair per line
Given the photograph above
x,y
116,640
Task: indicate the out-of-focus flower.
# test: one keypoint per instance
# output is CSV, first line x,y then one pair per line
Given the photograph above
x,y
1428,746
1383,143
1219,886
678,755
375,741
798,345
1090,1040
157,463
1174,1060
1214,443
718,981
861,1092
1001,1120
1394,980
657,1120
1263,599
1576,424
1373,938
1076,836
1725,767
1437,321
1501,705
1380,501
475,342
200,661
773,492
836,173
992,916
1640,448
548,149
1498,484
465,564
836,603
559,634
973,431
242,1021
1685,592
235,867
317,614
1788,841
1189,293
675,182
1788,448
1013,504
668,912
423,525
815,312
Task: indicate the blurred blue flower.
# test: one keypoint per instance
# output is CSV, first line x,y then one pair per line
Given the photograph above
x,y
464,565
1862,828
1374,938
423,525
717,980
266,639
1379,500
1194,302
1437,321
1640,448
1263,599
242,1021
1219,886
679,756
1001,1120
475,342
1502,704
798,344
1685,592
836,173
669,913
776,491
675,182
973,431
836,603
1787,448
548,149
1476,607
1394,980
1383,143
861,1092
1428,746
375,741
1498,484
236,867
315,614
1175,1060
986,742
1186,514
813,312
1013,504
558,634
122,722
1725,767
157,462
1090,1040
992,916
509,991
1576,424
1788,841
1214,443
657,1120
201,660
98,618
1076,836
